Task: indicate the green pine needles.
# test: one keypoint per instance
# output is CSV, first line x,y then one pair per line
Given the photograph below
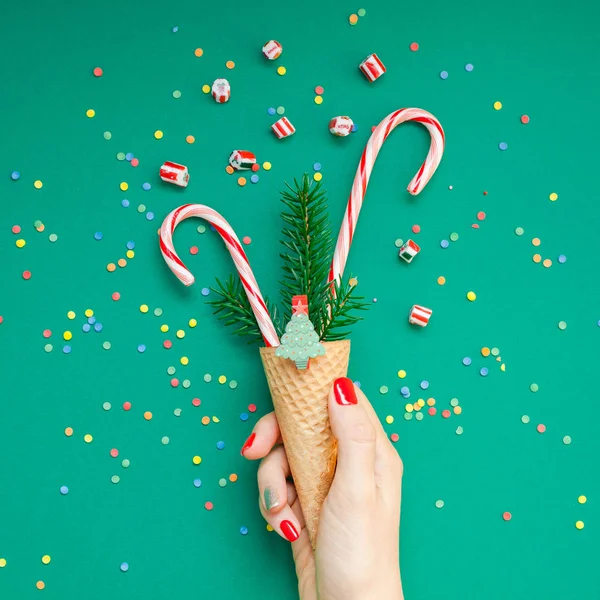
x,y
308,246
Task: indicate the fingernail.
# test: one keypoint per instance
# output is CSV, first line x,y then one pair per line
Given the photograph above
x,y
288,529
271,498
343,390
247,443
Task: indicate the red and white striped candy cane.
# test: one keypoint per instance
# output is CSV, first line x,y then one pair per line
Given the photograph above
x,y
367,160
238,255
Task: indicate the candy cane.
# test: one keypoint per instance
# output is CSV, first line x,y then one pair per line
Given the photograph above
x,y
363,173
238,255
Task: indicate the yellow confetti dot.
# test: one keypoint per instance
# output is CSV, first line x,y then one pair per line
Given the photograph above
x,y
421,402
503,367
206,88
553,197
190,139
144,308
87,438
184,360
68,431
318,99
130,253
122,262
441,280
408,407
110,267
267,166
148,415
88,312
71,315
46,559
536,241
318,176
353,19
402,373
537,258
198,52
158,134
457,410
37,184
180,333
197,460
241,181
497,105
485,351
192,322
430,401
124,186
579,525
471,296
205,420
281,70
2,563
164,328
67,335
582,499
389,419
20,243
40,585
547,262
230,64
90,113
269,527
222,379
353,281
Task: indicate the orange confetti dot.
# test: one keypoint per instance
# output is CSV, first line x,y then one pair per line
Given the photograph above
x,y
441,280
40,585
430,401
547,262
198,52
537,258
230,64
190,139
69,431
536,241
233,477
241,181
122,262
229,169
205,420
485,351
110,267
457,410
353,19
148,415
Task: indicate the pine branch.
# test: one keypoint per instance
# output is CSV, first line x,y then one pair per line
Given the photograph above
x,y
343,304
233,308
308,244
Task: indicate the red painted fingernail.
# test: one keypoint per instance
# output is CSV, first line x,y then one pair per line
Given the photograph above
x,y
288,529
247,443
343,390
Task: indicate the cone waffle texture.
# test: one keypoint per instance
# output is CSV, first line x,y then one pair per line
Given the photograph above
x,y
300,401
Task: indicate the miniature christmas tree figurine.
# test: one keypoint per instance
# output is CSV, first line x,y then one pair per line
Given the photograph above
x,y
300,342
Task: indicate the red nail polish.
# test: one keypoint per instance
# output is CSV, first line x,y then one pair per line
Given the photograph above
x,y
343,390
288,529
247,443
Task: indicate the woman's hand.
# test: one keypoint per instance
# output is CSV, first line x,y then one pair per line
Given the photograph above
x,y
356,556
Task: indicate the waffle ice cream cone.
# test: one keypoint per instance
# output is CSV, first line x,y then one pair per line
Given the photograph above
x,y
300,401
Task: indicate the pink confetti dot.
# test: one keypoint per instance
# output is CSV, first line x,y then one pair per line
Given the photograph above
x,y
26,275
432,410
16,229
252,407
208,505
506,516
114,453
126,405
416,228
46,333
541,428
167,344
414,46
394,437
134,162
194,250
196,402
174,382
446,414
475,226
116,296
1,319
98,72
524,119
480,215
319,90
246,239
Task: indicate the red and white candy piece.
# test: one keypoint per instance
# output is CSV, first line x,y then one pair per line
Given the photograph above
x,y
174,173
272,49
372,67
242,160
409,250
419,315
283,128
341,126
221,91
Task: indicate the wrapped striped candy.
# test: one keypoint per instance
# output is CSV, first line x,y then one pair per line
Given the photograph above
x,y
174,173
372,67
242,160
419,315
341,126
283,128
221,91
272,49
409,250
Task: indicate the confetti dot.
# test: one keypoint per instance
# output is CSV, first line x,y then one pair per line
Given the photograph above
x,y
534,387
196,460
441,280
198,52
444,74
192,323
124,186
446,414
506,516
241,181
503,145
439,504
353,19
414,46
197,483
281,70
484,371
402,373
416,228
469,67
524,119
471,296
582,499
318,176
459,430
176,94
562,325
40,585
190,139
525,419
497,105
547,263
90,113
270,110
519,231
87,438
567,440
37,184
206,88
383,389
148,415
453,237
125,463
541,428
319,90
64,490
266,166
106,405
208,505
579,525
114,452
480,216
553,197
537,258
124,567
444,244
562,259
318,99
164,440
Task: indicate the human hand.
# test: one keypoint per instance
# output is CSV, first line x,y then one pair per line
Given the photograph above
x,y
356,555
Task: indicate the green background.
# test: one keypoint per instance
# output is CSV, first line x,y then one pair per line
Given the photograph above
x,y
536,58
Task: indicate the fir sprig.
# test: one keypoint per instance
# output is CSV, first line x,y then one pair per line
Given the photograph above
x,y
343,303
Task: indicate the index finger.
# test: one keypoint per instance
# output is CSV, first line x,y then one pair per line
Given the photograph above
x,y
265,435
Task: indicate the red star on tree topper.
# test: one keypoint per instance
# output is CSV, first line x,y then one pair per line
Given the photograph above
x,y
300,305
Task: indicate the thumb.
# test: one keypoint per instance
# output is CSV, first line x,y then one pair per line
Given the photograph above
x,y
356,436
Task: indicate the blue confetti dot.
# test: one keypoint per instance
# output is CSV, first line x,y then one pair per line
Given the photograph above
x,y
205,291
91,320
254,178
484,371
444,74
98,327
150,216
467,361
98,235
244,530
220,445
175,29
562,259
197,482
130,245
125,203
357,384
64,490
67,349
86,327
141,348
124,567
503,145
146,186
354,127
424,384
444,243
244,417
404,390
129,156
469,67
271,110
15,175
317,166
